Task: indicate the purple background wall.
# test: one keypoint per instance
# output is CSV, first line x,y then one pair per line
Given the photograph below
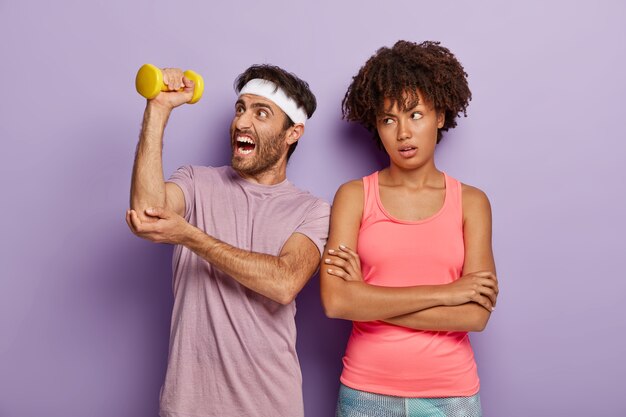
x,y
84,305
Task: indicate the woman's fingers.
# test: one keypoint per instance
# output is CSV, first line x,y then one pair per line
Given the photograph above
x,y
490,294
484,302
344,264
490,289
339,272
339,263
347,254
486,283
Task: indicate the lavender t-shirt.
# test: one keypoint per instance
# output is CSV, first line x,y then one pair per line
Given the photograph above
x,y
232,350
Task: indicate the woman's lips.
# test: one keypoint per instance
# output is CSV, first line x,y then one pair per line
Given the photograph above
x,y
408,152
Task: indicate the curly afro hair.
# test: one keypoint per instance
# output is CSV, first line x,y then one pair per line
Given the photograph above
x,y
397,73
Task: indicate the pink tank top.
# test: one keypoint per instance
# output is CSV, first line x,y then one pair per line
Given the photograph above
x,y
393,360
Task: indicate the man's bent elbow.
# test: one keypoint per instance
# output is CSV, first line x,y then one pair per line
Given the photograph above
x,y
287,293
286,297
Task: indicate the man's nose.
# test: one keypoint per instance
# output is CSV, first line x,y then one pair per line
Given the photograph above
x,y
243,120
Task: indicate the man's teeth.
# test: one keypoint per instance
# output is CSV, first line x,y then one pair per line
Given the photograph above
x,y
245,145
245,139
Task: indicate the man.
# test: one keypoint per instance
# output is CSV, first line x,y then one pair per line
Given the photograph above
x,y
247,241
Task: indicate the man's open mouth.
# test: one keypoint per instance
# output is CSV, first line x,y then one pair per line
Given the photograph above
x,y
244,144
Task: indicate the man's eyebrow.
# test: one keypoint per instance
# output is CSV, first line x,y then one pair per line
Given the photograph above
x,y
262,105
255,105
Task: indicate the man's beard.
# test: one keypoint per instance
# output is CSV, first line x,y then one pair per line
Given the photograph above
x,y
268,152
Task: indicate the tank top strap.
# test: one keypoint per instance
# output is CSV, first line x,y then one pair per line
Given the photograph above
x,y
370,189
454,199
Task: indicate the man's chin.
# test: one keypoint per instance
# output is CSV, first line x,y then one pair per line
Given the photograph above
x,y
243,165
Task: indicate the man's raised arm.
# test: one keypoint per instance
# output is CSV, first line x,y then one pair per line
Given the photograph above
x,y
148,187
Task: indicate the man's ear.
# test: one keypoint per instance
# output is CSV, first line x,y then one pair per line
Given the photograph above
x,y
294,133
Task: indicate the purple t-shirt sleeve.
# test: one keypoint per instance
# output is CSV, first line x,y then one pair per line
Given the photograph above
x,y
315,224
184,178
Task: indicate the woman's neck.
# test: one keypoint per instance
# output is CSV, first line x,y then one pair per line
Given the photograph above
x,y
414,178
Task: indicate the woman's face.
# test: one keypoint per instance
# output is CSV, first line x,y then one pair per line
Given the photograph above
x,y
409,136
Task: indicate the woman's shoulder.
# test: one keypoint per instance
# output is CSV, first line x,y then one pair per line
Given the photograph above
x,y
357,186
473,193
350,190
474,199
352,186
349,197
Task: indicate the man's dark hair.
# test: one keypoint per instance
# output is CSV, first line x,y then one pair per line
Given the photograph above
x,y
294,87
397,74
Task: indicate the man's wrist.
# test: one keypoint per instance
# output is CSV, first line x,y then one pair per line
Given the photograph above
x,y
157,112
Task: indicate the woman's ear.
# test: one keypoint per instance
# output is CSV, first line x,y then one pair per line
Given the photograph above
x,y
441,118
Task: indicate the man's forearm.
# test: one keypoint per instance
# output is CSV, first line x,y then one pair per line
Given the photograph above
x,y
265,274
148,184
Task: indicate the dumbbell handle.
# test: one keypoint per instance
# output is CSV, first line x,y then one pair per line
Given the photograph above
x,y
149,82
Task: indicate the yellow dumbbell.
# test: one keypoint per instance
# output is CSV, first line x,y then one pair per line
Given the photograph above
x,y
149,82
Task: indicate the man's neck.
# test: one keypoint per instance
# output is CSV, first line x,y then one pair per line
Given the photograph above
x,y
271,176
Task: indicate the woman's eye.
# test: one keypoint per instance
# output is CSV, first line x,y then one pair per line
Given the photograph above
x,y
387,121
416,116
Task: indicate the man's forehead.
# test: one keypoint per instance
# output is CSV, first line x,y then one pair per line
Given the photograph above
x,y
253,99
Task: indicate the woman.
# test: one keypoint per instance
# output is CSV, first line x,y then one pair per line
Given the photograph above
x,y
409,256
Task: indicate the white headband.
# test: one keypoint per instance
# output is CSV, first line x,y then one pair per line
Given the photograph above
x,y
271,91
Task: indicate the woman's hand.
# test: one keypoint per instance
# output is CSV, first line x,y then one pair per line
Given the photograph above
x,y
345,264
479,287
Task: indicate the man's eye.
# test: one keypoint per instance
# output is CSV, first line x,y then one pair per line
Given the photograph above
x,y
262,113
238,110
